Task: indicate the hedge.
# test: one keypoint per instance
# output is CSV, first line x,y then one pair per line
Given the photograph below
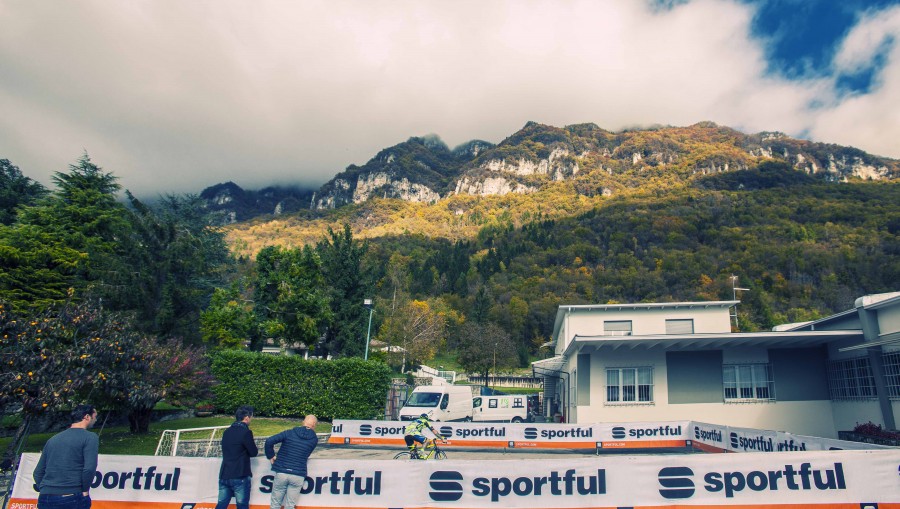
x,y
290,386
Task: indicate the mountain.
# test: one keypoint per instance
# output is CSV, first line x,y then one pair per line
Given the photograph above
x,y
593,159
418,170
576,215
232,203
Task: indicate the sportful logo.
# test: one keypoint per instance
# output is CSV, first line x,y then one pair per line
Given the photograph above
x,y
550,434
492,431
446,431
758,443
708,435
446,485
367,429
139,479
620,432
790,445
336,483
677,482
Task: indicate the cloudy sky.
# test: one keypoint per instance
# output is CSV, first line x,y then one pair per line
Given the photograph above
x,y
175,96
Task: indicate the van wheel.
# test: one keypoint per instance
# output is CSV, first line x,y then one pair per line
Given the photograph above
x,y
516,420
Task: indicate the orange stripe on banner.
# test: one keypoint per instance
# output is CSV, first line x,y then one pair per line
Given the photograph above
x,y
30,503
477,443
22,503
708,448
766,506
555,445
644,444
117,504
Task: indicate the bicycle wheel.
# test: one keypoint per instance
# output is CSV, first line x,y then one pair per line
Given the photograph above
x,y
405,455
440,455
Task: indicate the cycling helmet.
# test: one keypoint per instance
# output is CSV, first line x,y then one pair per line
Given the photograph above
x,y
424,416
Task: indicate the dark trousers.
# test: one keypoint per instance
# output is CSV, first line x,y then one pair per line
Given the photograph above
x,y
76,501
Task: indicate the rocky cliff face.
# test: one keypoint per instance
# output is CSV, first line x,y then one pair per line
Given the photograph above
x,y
230,203
425,170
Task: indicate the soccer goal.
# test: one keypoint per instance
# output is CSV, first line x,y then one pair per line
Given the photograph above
x,y
202,442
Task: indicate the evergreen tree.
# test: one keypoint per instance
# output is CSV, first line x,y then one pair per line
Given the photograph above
x,y
175,260
349,283
291,299
16,190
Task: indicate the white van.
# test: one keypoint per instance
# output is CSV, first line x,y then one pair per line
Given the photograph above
x,y
506,408
441,402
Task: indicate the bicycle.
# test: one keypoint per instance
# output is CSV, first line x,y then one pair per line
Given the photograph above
x,y
430,450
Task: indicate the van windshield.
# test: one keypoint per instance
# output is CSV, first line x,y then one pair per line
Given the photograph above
x,y
424,399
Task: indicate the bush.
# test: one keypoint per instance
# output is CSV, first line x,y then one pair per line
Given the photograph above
x,y
289,386
875,430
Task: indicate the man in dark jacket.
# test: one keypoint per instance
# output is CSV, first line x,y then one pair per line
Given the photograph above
x,y
68,462
237,449
290,463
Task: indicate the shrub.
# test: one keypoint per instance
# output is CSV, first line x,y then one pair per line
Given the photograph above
x,y
875,430
290,386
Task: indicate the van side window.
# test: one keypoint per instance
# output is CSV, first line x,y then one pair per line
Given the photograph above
x,y
445,401
492,403
476,402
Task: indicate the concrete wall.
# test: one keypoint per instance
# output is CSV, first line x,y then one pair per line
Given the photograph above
x,y
889,320
645,321
706,401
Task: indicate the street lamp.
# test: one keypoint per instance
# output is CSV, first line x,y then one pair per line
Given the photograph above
x,y
368,304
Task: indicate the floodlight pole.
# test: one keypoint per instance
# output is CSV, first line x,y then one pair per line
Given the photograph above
x,y
368,304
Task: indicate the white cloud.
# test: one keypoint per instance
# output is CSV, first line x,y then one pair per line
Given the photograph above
x,y
176,96
870,121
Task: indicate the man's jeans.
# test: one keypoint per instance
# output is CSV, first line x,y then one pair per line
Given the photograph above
x,y
238,488
77,501
286,490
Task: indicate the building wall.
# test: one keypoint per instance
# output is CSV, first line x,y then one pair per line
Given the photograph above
x,y
695,391
847,414
644,322
889,320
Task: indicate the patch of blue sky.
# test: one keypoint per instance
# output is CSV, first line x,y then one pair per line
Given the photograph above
x,y
801,37
865,77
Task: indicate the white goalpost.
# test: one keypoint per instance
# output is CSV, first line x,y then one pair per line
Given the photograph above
x,y
202,442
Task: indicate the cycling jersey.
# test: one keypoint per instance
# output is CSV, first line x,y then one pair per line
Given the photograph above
x,y
417,426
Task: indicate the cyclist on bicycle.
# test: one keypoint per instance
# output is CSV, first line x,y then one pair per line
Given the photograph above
x,y
413,434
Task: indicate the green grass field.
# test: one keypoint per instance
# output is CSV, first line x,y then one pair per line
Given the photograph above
x,y
118,440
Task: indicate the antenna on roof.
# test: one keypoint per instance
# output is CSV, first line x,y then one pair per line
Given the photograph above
x,y
734,289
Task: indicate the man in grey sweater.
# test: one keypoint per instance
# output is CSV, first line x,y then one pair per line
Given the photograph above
x,y
290,463
68,462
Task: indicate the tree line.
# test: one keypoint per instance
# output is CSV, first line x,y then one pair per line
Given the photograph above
x,y
157,276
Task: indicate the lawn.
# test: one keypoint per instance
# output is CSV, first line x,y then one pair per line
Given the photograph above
x,y
118,440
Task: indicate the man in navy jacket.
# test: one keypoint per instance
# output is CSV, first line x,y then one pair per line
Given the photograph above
x,y
290,463
238,447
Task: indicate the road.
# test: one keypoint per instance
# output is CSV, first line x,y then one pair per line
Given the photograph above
x,y
328,451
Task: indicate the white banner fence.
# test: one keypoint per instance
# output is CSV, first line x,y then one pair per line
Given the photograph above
x,y
781,480
601,436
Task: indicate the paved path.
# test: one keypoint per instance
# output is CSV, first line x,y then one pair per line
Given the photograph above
x,y
327,451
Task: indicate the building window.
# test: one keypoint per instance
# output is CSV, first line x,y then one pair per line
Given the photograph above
x,y
680,326
629,385
851,379
746,382
617,328
891,362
